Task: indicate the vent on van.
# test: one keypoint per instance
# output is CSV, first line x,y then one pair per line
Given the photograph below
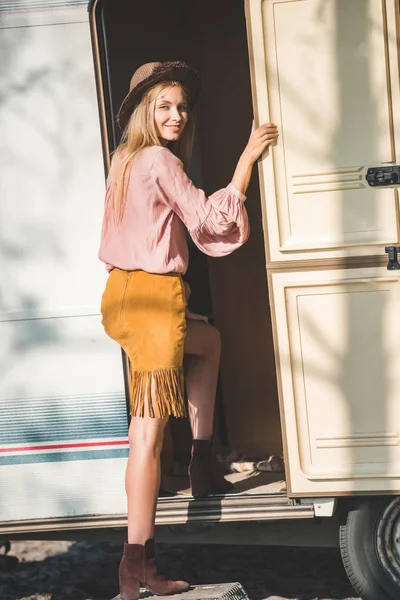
x,y
16,5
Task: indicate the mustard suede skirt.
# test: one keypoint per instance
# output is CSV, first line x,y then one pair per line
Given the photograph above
x,y
145,314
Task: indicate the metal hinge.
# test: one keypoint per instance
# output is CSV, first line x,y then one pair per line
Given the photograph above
x,y
323,507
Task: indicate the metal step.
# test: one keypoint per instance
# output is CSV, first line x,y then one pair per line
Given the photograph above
x,y
257,507
217,591
180,510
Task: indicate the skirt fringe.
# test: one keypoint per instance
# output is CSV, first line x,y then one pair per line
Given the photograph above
x,y
160,391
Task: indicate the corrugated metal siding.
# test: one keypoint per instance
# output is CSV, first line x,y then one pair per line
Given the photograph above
x,y
15,5
58,429
38,420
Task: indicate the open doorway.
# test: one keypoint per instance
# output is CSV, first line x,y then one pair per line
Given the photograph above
x,y
233,291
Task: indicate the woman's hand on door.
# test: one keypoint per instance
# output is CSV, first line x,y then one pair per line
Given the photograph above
x,y
259,140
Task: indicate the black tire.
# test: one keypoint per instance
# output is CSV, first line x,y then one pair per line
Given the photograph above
x,y
362,552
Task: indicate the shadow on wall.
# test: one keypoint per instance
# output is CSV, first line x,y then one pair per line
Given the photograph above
x,y
46,119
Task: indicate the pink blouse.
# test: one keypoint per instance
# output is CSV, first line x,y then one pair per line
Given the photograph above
x,y
161,201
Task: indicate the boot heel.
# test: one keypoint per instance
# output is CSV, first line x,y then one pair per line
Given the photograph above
x,y
199,478
199,491
205,473
130,570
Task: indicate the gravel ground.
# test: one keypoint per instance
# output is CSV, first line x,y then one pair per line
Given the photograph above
x,y
82,571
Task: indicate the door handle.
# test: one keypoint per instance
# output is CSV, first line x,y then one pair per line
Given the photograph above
x,y
392,251
381,176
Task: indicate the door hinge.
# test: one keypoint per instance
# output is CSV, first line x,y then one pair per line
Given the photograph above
x,y
323,507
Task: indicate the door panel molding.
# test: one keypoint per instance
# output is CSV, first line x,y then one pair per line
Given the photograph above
x,y
339,403
316,201
348,262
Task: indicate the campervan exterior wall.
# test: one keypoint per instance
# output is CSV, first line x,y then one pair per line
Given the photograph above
x,y
63,439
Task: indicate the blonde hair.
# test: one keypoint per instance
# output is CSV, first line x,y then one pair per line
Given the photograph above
x,y
140,133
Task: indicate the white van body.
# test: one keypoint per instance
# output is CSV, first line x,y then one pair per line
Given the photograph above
x,y
326,72
62,400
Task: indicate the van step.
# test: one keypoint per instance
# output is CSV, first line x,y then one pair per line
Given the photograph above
x,y
217,591
258,507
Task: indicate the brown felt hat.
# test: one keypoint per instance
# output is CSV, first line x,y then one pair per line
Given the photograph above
x,y
152,73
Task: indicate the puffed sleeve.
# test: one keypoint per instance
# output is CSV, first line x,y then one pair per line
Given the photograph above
x,y
218,224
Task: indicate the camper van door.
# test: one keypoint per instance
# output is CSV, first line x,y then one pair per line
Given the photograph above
x,y
327,74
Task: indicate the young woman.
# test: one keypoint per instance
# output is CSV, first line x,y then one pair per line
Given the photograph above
x,y
149,203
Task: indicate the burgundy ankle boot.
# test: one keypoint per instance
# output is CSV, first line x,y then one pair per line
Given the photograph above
x,y
205,472
138,566
153,581
130,571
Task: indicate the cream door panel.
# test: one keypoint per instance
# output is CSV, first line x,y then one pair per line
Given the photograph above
x,y
326,72
338,334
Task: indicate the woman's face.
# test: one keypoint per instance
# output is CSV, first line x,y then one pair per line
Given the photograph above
x,y
171,114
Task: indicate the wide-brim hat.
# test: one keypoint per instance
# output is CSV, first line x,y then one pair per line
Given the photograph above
x,y
152,73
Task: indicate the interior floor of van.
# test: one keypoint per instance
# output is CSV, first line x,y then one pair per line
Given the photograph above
x,y
247,482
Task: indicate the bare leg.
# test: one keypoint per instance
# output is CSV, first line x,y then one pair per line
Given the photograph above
x,y
138,564
142,480
203,344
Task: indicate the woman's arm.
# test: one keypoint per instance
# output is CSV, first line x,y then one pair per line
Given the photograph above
x,y
259,140
218,224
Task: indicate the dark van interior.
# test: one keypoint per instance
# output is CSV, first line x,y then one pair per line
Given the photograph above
x,y
232,291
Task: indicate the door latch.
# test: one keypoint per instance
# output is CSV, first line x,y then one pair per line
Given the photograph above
x,y
392,251
380,176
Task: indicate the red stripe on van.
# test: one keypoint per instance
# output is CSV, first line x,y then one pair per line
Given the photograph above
x,y
62,446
